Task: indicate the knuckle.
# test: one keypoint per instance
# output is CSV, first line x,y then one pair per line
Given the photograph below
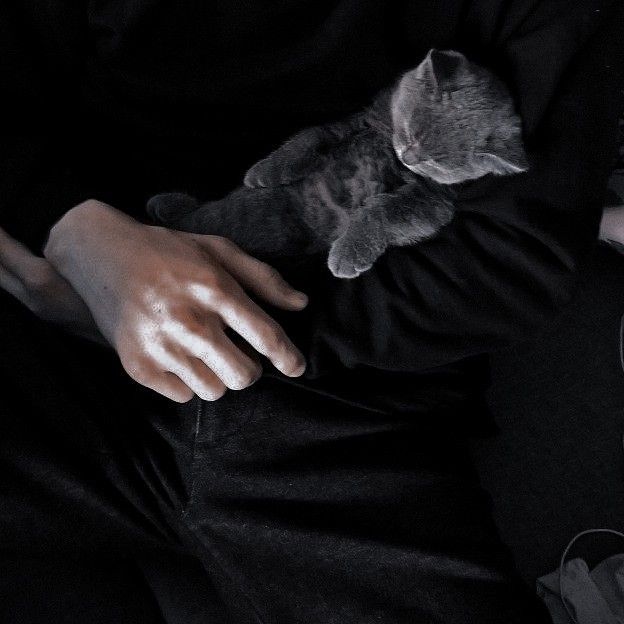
x,y
137,370
224,242
214,284
91,203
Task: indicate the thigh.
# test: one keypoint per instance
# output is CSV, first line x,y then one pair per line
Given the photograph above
x,y
84,466
307,511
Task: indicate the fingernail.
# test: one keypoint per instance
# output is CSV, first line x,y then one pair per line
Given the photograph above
x,y
300,299
298,371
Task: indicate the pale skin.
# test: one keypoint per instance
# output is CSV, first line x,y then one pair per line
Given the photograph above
x,y
162,299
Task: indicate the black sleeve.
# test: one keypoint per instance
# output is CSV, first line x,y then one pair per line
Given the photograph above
x,y
506,263
42,46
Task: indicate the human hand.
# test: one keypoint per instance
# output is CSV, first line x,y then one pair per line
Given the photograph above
x,y
35,283
164,299
612,225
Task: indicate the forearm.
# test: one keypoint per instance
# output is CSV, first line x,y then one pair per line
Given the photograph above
x,y
34,282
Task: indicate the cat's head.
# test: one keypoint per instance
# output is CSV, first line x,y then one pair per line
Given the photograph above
x,y
454,121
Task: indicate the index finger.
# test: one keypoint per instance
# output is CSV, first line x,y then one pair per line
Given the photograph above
x,y
255,275
262,332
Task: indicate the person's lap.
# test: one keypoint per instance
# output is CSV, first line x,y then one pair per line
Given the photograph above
x,y
69,428
300,510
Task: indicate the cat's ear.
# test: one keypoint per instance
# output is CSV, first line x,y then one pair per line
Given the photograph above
x,y
503,161
443,68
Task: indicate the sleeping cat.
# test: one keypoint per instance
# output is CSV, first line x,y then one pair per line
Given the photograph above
x,y
381,177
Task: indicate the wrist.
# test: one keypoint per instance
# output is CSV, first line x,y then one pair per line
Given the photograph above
x,y
81,228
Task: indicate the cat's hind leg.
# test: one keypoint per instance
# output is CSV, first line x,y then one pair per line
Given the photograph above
x,y
169,208
263,222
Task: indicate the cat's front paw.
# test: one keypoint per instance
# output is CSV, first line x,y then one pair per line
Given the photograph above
x,y
351,254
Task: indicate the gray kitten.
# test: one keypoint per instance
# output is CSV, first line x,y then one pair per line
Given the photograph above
x,y
379,178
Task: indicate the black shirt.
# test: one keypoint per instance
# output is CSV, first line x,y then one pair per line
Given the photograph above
x,y
118,100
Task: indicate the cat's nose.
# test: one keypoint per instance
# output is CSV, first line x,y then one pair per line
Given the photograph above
x,y
411,155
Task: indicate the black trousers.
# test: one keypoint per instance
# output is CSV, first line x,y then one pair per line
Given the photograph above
x,y
299,509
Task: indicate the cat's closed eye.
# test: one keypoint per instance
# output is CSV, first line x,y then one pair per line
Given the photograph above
x,y
412,154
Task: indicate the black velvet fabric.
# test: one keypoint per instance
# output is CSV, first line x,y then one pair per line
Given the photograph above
x,y
37,590
299,509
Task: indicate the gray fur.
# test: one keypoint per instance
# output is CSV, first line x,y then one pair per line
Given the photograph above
x,y
383,177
